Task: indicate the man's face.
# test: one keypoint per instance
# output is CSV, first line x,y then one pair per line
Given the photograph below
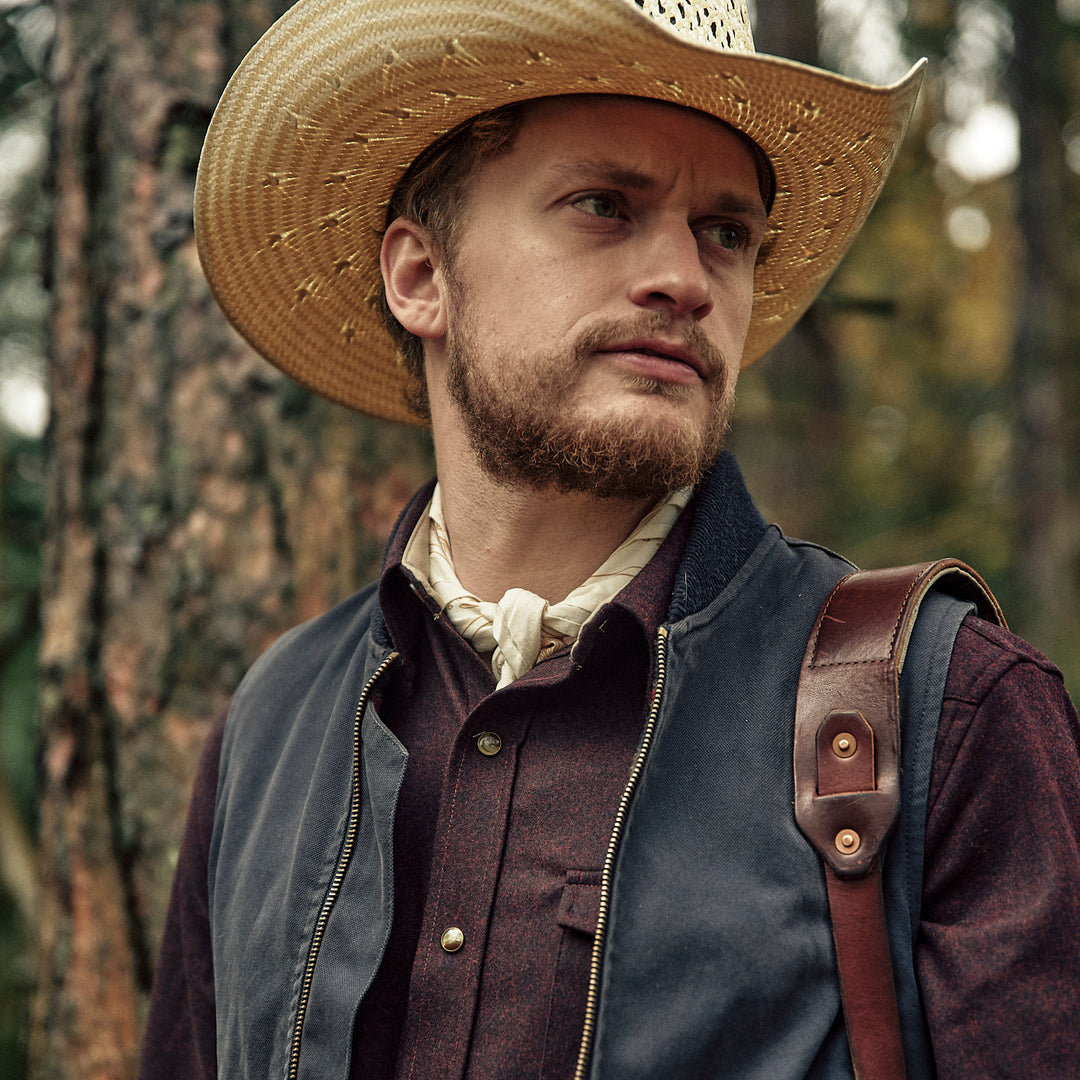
x,y
599,294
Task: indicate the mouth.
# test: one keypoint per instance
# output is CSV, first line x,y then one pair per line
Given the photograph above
x,y
655,354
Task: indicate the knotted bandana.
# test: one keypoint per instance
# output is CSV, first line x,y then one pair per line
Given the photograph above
x,y
523,628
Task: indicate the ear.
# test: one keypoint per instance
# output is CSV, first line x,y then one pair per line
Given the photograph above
x,y
409,262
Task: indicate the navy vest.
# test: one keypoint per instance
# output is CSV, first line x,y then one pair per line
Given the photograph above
x,y
718,960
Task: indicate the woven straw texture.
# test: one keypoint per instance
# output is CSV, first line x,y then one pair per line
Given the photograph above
x,y
330,107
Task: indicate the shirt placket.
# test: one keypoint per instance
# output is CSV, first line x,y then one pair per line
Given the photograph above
x,y
469,840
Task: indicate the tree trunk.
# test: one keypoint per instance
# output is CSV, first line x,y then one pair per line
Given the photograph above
x,y
792,399
198,504
1047,590
788,28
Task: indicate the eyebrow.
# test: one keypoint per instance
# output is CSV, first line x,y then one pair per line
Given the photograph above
x,y
607,170
612,172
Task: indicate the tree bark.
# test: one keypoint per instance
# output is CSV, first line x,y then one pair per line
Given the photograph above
x,y
198,504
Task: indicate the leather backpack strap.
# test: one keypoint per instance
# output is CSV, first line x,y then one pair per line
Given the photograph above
x,y
847,776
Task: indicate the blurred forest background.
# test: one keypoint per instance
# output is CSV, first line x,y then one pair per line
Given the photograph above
x,y
168,503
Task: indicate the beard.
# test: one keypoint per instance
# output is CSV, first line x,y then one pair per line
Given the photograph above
x,y
519,427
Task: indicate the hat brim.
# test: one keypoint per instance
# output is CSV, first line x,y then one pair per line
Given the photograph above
x,y
331,106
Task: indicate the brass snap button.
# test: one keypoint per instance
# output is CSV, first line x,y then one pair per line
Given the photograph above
x,y
452,939
844,745
488,743
847,841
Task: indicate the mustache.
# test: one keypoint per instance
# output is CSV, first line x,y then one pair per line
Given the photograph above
x,y
652,323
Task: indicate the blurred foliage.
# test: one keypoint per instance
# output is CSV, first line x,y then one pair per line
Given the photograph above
x,y
24,37
887,425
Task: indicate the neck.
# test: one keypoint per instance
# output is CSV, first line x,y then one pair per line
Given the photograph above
x,y
505,537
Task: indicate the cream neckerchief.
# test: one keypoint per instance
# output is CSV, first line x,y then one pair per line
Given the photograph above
x,y
522,627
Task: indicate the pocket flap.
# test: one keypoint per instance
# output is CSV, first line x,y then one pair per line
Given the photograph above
x,y
579,907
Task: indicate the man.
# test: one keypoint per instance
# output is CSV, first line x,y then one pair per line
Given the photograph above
x,y
523,808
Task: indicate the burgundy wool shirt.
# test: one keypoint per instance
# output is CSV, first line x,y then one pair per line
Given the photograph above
x,y
506,847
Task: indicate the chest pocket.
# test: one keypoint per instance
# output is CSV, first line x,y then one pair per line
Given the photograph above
x,y
580,905
579,908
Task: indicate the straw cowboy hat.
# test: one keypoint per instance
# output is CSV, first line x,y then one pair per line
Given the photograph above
x,y
327,111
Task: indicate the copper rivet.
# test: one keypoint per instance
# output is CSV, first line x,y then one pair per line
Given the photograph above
x,y
488,743
844,745
847,841
452,939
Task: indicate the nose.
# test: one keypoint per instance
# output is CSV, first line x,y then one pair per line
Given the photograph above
x,y
668,273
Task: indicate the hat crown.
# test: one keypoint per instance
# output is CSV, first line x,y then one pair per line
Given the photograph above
x,y
723,24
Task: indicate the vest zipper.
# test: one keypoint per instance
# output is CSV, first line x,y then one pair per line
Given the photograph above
x,y
592,998
339,874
